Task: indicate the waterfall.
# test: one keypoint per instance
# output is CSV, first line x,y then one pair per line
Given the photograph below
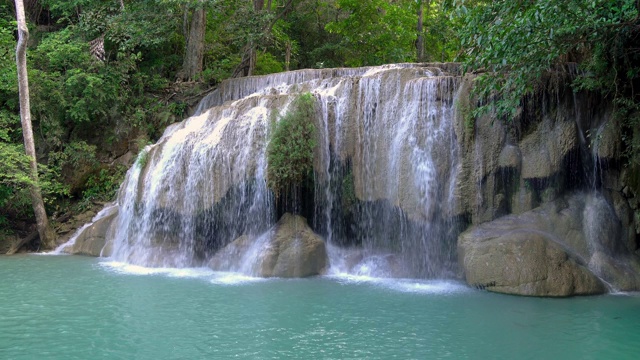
x,y
384,172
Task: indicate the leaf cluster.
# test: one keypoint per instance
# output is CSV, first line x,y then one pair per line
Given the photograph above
x,y
291,146
375,32
516,45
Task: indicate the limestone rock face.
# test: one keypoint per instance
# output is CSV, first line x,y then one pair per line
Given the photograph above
x,y
544,150
290,250
93,240
523,263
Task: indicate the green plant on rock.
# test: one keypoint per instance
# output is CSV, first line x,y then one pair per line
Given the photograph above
x,y
143,158
469,120
291,147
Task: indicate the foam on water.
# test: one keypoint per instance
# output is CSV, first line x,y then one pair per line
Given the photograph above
x,y
215,277
404,285
124,268
231,278
235,278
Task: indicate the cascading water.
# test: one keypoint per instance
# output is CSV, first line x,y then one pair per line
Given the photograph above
x,y
601,225
392,195
384,172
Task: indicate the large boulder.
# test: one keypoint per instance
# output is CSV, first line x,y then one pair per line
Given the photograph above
x,y
523,263
92,241
562,248
290,249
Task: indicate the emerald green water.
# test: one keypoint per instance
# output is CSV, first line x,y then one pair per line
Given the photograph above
x,y
66,307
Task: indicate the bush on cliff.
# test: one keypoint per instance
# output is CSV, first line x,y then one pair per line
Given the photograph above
x,y
291,146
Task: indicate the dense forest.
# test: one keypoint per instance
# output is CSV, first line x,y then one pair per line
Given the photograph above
x,y
107,76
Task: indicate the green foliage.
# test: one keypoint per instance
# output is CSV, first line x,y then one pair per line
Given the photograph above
x,y
104,185
8,75
291,146
441,39
143,158
376,31
268,64
516,45
75,155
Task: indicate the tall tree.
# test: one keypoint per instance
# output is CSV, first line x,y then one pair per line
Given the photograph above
x,y
194,54
47,237
265,19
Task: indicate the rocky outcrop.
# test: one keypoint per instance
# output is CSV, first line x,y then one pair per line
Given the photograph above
x,y
545,190
563,248
523,263
93,240
290,249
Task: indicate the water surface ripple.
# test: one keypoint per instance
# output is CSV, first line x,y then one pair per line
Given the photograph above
x,y
81,308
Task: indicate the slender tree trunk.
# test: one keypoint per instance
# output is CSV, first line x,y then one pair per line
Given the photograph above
x,y
249,55
47,237
194,55
258,6
287,56
419,28
253,59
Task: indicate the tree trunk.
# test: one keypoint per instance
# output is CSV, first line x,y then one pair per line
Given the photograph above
x,y
47,236
420,39
287,56
253,59
249,55
258,6
194,55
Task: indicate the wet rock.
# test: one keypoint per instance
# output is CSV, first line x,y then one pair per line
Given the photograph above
x,y
290,249
622,272
230,257
93,240
543,151
523,263
607,140
557,249
523,199
510,157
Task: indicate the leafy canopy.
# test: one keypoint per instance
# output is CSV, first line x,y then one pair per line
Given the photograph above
x,y
376,31
515,44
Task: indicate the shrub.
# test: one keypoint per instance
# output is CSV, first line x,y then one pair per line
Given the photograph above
x,y
290,149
